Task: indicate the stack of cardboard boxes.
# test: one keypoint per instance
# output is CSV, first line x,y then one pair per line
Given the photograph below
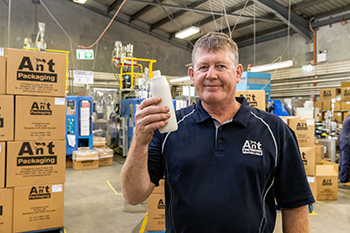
x,y
99,156
341,107
322,175
32,140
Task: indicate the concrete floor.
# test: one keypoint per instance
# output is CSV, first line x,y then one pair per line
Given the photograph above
x,y
92,206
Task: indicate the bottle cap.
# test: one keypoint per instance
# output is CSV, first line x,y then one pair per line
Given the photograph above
x,y
156,73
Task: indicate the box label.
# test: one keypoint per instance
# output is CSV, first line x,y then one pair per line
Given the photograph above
x,y
56,188
35,74
1,52
310,122
311,179
59,101
38,160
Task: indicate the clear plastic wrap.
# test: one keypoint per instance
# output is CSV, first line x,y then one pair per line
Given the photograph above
x,y
85,155
105,152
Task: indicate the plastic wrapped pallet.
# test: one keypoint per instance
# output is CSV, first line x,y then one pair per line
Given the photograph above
x,y
105,156
85,159
99,142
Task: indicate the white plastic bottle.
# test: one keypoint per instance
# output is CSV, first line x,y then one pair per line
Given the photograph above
x,y
160,87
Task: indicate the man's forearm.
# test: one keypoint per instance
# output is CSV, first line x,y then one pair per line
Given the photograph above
x,y
295,220
135,179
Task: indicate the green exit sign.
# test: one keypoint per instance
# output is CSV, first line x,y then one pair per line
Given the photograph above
x,y
85,54
307,68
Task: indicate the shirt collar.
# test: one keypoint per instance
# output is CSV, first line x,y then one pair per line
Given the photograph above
x,y
241,117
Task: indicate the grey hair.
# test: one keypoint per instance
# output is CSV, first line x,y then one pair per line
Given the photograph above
x,y
214,41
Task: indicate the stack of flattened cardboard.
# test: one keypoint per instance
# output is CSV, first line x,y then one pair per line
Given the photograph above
x,y
32,123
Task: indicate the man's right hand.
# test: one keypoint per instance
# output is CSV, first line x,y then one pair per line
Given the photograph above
x,y
148,118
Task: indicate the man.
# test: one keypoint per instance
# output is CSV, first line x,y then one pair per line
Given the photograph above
x,y
226,163
344,163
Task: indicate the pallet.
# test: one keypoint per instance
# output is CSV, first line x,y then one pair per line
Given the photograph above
x,y
52,230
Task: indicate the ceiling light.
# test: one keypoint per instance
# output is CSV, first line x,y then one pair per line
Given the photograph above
x,y
184,79
80,1
272,66
187,32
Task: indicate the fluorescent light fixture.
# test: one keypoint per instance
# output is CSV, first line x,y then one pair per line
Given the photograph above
x,y
80,1
187,32
272,66
184,79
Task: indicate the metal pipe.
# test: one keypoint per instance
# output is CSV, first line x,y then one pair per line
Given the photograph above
x,y
311,81
315,49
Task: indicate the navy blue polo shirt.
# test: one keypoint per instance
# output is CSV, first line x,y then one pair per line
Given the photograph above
x,y
226,180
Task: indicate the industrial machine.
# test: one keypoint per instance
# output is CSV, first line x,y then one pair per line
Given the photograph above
x,y
78,123
255,81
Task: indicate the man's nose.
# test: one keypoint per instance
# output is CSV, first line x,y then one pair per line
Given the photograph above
x,y
212,73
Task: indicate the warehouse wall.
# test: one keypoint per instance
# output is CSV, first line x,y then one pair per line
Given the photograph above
x,y
84,27
334,38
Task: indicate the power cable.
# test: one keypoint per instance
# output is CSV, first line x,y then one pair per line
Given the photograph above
x,y
239,17
227,23
211,9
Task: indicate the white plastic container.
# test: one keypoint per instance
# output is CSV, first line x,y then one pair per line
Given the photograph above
x,y
160,87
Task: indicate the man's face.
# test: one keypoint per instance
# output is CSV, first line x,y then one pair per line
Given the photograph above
x,y
215,77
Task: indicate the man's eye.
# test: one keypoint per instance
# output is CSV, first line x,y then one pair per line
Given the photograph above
x,y
203,67
221,67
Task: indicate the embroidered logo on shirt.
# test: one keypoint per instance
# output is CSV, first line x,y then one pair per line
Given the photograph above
x,y
252,147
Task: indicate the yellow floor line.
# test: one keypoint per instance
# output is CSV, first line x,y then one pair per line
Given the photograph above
x,y
113,188
144,223
313,213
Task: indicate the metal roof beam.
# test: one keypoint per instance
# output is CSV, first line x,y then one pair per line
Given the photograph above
x,y
266,35
175,15
297,23
143,11
331,20
114,5
203,11
332,12
305,4
228,11
135,26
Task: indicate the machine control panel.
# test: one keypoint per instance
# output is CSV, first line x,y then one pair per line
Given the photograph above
x,y
70,107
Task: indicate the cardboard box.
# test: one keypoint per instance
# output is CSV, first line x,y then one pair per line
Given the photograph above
x,y
319,154
326,105
39,118
255,98
304,129
345,84
105,156
345,105
85,159
328,93
338,116
312,184
39,162
2,164
6,210
337,106
318,104
156,212
345,115
309,160
69,162
38,207
6,117
326,182
2,70
325,162
345,93
99,142
160,188
35,73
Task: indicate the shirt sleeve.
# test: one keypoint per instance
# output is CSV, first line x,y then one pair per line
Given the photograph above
x,y
155,161
291,186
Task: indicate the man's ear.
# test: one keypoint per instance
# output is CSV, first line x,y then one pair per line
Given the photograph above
x,y
239,72
191,74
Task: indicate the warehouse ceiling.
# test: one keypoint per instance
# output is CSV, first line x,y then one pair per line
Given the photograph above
x,y
248,21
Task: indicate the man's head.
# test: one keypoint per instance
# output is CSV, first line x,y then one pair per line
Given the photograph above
x,y
214,41
215,71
